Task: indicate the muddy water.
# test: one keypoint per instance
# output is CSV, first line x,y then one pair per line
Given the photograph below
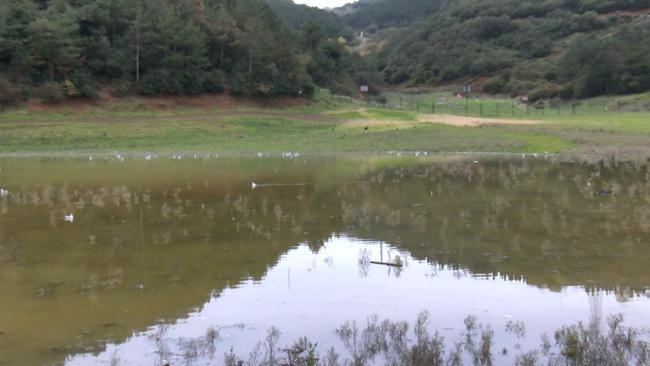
x,y
159,252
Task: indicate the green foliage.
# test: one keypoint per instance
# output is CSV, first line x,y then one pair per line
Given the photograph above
x,y
545,49
298,16
8,93
50,92
387,13
155,47
494,85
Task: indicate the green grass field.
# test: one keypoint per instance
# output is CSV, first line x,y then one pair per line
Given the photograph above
x,y
316,128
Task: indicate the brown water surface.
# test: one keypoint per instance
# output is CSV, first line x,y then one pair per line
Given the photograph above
x,y
190,244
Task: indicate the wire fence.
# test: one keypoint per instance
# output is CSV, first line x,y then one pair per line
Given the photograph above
x,y
487,108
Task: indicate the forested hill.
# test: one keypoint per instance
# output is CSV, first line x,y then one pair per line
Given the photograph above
x,y
545,48
388,13
299,16
55,49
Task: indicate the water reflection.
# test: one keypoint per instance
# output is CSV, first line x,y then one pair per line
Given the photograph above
x,y
154,240
304,295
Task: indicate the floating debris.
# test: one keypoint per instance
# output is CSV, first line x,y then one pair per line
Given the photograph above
x,y
387,264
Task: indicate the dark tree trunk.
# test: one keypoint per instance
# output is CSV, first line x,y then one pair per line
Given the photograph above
x,y
221,55
250,62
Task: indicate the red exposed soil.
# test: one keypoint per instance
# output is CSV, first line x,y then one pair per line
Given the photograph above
x,y
162,103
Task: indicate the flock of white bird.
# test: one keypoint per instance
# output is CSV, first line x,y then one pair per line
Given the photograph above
x,y
291,155
149,156
67,218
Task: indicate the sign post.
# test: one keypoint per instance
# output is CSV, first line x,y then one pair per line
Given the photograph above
x,y
364,89
466,89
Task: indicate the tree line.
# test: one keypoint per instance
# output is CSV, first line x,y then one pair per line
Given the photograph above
x,y
544,49
56,49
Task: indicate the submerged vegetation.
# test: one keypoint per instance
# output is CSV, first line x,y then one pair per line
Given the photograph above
x,y
396,343
178,234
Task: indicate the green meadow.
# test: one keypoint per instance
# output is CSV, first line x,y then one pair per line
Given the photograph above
x,y
323,126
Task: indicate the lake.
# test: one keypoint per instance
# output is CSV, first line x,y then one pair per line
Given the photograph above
x,y
180,259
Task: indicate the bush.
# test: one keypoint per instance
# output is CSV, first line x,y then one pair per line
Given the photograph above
x,y
494,85
50,92
8,93
121,88
547,92
84,84
214,82
241,85
567,92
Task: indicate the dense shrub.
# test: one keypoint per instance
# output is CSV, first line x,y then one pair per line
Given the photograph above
x,y
214,82
494,85
9,94
50,93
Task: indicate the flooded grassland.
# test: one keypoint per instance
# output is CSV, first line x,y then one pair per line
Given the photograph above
x,y
194,261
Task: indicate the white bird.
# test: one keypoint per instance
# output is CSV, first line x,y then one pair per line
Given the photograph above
x,y
259,155
148,157
475,161
69,218
253,185
90,158
3,192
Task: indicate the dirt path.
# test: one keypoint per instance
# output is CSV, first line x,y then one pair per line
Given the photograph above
x,y
447,119
473,121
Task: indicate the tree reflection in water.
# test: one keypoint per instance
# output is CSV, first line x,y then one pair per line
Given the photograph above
x,y
158,239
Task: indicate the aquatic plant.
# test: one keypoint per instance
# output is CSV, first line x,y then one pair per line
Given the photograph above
x,y
391,343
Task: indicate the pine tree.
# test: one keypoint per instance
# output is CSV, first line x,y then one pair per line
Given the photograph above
x,y
54,42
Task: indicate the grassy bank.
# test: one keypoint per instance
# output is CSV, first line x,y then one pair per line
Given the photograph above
x,y
309,128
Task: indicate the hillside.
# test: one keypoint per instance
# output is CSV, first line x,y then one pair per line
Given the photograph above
x,y
387,13
67,49
551,48
352,7
53,50
298,16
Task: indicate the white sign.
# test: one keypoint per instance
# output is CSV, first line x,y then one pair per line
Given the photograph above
x,y
364,88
